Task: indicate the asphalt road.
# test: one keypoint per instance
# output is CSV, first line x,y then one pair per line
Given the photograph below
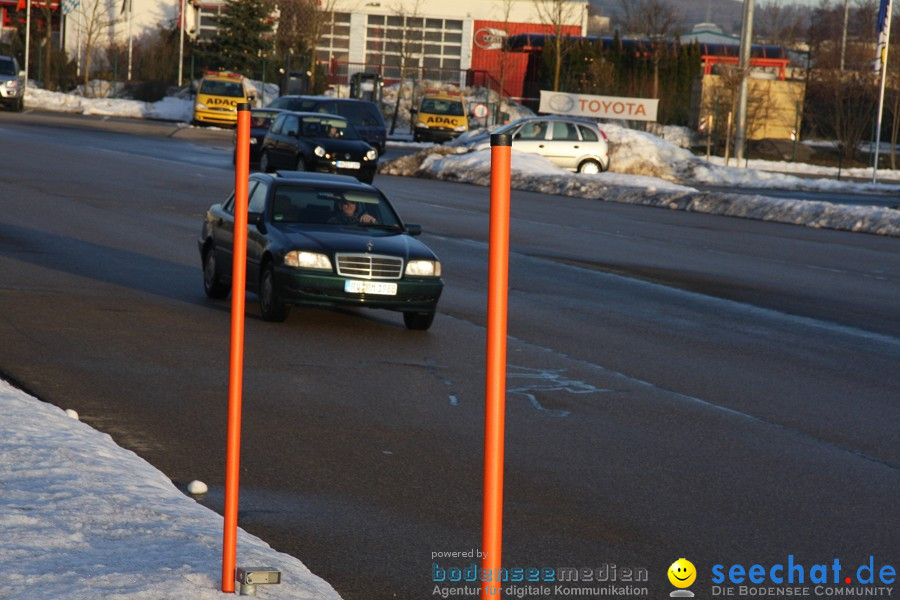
x,y
679,384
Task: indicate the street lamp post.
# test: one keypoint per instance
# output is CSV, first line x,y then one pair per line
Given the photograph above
x,y
740,122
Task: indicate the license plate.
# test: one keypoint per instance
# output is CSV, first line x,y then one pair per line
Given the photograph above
x,y
355,286
347,164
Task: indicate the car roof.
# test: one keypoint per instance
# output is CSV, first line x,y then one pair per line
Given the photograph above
x,y
572,118
324,98
342,181
314,114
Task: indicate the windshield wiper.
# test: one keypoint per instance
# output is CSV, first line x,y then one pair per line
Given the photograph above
x,y
384,227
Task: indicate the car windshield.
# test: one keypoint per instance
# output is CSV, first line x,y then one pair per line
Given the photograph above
x,y
7,68
435,106
332,207
213,87
328,127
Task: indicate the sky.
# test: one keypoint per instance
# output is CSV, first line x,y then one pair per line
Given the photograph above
x,y
83,518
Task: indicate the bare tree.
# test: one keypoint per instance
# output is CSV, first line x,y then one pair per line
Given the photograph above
x,y
93,18
506,11
841,101
779,24
654,20
558,15
301,24
404,45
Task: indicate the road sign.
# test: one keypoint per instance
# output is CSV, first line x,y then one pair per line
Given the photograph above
x,y
480,110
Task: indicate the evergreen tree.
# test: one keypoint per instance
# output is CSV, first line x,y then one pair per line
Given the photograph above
x,y
244,35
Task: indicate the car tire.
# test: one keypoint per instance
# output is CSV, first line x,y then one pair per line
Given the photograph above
x,y
418,321
271,307
264,165
590,167
212,284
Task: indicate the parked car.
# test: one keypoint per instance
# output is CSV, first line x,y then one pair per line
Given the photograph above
x,y
317,142
365,116
441,116
217,98
306,247
260,121
12,83
568,142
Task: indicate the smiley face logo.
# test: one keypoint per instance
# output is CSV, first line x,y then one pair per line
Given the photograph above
x,y
682,573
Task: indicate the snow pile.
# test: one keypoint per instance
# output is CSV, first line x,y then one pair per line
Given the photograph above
x,y
167,109
647,170
85,518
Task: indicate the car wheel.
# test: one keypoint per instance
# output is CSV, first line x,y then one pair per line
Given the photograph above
x,y
271,307
264,165
419,321
589,167
212,285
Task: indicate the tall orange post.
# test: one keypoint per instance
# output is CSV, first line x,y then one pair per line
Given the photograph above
x,y
236,377
495,397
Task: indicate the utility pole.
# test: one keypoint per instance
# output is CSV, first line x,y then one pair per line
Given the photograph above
x,y
27,39
844,34
181,46
740,121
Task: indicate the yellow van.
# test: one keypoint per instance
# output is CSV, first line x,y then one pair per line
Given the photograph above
x,y
218,96
441,116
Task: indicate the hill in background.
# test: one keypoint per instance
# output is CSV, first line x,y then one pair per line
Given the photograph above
x,y
724,13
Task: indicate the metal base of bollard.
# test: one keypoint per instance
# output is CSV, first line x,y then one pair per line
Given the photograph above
x,y
248,589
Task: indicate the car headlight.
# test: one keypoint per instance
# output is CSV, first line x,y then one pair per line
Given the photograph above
x,y
307,260
460,128
423,268
252,141
421,124
372,154
199,105
319,151
12,84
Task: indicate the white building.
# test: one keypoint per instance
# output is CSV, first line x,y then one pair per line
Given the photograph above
x,y
458,35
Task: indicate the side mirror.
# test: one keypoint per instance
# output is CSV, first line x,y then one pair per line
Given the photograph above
x,y
21,74
413,229
413,111
256,218
293,133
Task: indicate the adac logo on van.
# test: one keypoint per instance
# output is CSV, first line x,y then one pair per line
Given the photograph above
x,y
216,101
438,120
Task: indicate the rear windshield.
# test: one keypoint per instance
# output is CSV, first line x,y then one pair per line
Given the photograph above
x,y
322,205
328,127
357,112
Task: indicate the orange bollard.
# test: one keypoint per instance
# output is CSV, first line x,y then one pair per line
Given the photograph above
x,y
236,376
495,397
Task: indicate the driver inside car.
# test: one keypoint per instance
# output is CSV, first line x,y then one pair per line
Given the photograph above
x,y
346,214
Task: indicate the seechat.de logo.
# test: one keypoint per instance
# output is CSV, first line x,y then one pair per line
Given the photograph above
x,y
682,574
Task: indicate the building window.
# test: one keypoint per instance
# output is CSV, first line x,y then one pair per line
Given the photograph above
x,y
413,41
